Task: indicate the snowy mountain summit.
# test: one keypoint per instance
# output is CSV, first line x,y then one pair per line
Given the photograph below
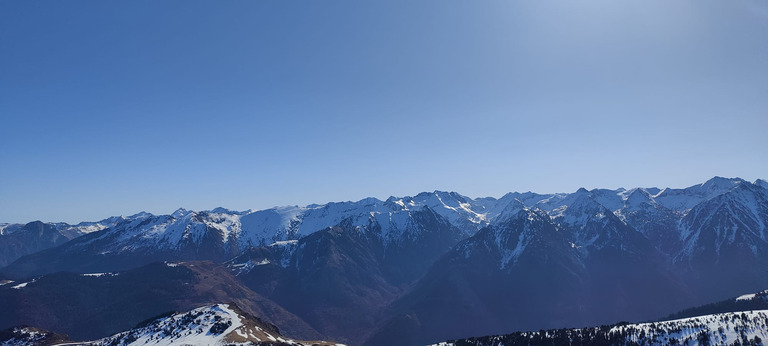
x,y
219,324
263,227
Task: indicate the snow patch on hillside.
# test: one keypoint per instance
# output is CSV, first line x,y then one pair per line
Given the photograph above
x,y
100,274
218,324
747,327
23,284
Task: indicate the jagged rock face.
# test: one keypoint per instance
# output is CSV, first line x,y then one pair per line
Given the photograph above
x,y
656,222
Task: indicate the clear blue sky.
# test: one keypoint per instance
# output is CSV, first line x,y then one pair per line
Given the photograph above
x,y
110,108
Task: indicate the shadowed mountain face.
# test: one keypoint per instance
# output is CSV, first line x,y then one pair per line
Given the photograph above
x,y
478,285
441,265
20,240
91,306
17,240
341,279
526,273
725,240
656,222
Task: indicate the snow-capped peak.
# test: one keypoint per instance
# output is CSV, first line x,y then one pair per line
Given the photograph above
x,y
395,218
521,230
219,324
181,212
638,198
140,215
683,200
720,183
578,208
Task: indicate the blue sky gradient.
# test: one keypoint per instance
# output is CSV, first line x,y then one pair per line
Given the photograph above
x,y
111,108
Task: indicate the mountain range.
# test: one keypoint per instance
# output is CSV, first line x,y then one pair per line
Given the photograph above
x,y
431,267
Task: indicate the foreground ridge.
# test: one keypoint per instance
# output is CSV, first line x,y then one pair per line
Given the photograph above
x,y
218,324
733,328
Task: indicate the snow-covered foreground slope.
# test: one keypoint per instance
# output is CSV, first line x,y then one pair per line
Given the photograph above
x,y
26,335
740,328
220,324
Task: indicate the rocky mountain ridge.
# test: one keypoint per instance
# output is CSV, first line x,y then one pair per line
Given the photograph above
x,y
663,217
